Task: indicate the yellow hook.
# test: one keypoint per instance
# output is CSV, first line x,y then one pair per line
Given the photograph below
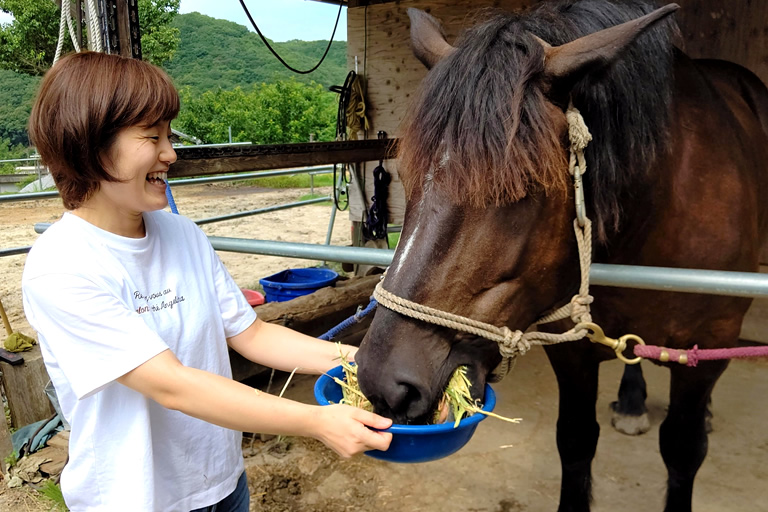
x,y
596,335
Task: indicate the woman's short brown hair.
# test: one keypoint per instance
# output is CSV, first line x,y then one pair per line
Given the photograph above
x,y
84,100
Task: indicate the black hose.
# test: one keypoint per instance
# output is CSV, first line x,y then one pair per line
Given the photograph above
x,y
269,47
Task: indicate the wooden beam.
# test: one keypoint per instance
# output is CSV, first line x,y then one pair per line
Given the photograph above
x,y
25,389
364,3
206,160
314,315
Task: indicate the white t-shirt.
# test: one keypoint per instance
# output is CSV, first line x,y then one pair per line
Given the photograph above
x,y
102,305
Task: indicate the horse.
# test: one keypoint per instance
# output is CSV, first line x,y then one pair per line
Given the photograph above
x,y
674,176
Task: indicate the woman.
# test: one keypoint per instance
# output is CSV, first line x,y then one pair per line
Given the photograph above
x,y
135,312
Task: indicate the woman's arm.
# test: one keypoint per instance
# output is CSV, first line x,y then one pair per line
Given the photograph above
x,y
233,405
278,347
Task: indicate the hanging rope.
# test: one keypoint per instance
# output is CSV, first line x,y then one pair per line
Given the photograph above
x,y
355,113
65,25
340,180
269,47
95,39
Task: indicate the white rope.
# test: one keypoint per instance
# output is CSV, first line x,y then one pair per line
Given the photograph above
x,y
95,41
70,25
65,25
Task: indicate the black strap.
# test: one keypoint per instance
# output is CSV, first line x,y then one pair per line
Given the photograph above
x,y
375,226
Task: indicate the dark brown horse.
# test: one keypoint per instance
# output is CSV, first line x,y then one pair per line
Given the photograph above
x,y
676,178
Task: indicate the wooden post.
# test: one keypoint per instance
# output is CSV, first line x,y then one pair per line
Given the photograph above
x,y
123,33
25,389
6,447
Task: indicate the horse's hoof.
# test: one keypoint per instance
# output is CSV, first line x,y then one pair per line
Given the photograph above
x,y
631,425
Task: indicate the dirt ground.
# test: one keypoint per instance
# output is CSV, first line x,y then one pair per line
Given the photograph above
x,y
504,468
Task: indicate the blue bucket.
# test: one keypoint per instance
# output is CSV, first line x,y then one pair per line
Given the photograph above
x,y
295,282
412,443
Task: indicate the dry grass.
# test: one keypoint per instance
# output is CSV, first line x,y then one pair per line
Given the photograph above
x,y
457,399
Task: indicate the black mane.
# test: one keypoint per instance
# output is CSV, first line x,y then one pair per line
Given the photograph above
x,y
480,120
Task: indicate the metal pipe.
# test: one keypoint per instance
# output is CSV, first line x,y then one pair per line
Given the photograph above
x,y
251,175
9,198
14,251
342,254
189,181
268,209
711,282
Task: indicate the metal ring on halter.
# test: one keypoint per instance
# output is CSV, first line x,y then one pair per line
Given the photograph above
x,y
596,335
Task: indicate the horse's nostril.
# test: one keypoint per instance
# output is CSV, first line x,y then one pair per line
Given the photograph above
x,y
403,402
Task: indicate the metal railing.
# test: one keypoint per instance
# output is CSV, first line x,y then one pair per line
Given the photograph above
x,y
711,282
740,284
311,171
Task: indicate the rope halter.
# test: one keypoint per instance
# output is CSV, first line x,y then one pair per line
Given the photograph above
x,y
514,343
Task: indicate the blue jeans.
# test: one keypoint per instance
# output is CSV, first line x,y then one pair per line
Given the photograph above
x,y
238,501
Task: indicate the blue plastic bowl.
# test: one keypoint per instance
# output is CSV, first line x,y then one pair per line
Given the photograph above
x,y
295,282
412,443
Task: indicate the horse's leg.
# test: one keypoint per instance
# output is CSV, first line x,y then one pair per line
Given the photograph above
x,y
577,428
630,415
683,434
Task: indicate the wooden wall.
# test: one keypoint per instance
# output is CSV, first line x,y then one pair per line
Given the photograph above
x,y
736,30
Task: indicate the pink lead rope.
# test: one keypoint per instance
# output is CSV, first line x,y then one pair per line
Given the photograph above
x,y
693,356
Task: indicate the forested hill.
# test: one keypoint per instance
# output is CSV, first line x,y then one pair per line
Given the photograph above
x,y
221,54
213,54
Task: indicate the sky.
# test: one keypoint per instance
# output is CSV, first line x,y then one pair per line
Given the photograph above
x,y
278,20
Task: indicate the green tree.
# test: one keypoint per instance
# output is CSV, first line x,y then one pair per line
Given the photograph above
x,y
159,39
16,93
9,151
28,43
269,113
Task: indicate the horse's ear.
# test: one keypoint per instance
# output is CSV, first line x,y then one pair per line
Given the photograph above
x,y
597,49
428,38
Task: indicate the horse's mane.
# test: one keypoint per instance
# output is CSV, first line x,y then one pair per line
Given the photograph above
x,y
479,128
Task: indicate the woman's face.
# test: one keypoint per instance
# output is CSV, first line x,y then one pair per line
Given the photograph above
x,y
139,158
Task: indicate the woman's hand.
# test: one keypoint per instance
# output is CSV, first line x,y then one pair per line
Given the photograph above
x,y
344,429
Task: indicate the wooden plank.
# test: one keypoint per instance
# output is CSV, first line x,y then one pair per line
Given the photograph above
x,y
314,315
200,161
24,386
734,31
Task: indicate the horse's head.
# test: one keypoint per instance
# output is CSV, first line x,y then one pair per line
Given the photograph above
x,y
488,231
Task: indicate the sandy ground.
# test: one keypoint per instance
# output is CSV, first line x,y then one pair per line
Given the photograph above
x,y
504,468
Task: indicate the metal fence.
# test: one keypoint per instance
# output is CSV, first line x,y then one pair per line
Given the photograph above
x,y
740,284
311,171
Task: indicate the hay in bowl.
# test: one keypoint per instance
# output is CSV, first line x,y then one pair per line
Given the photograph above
x,y
412,443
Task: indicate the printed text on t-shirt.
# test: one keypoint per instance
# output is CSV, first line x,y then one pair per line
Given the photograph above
x,y
163,304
